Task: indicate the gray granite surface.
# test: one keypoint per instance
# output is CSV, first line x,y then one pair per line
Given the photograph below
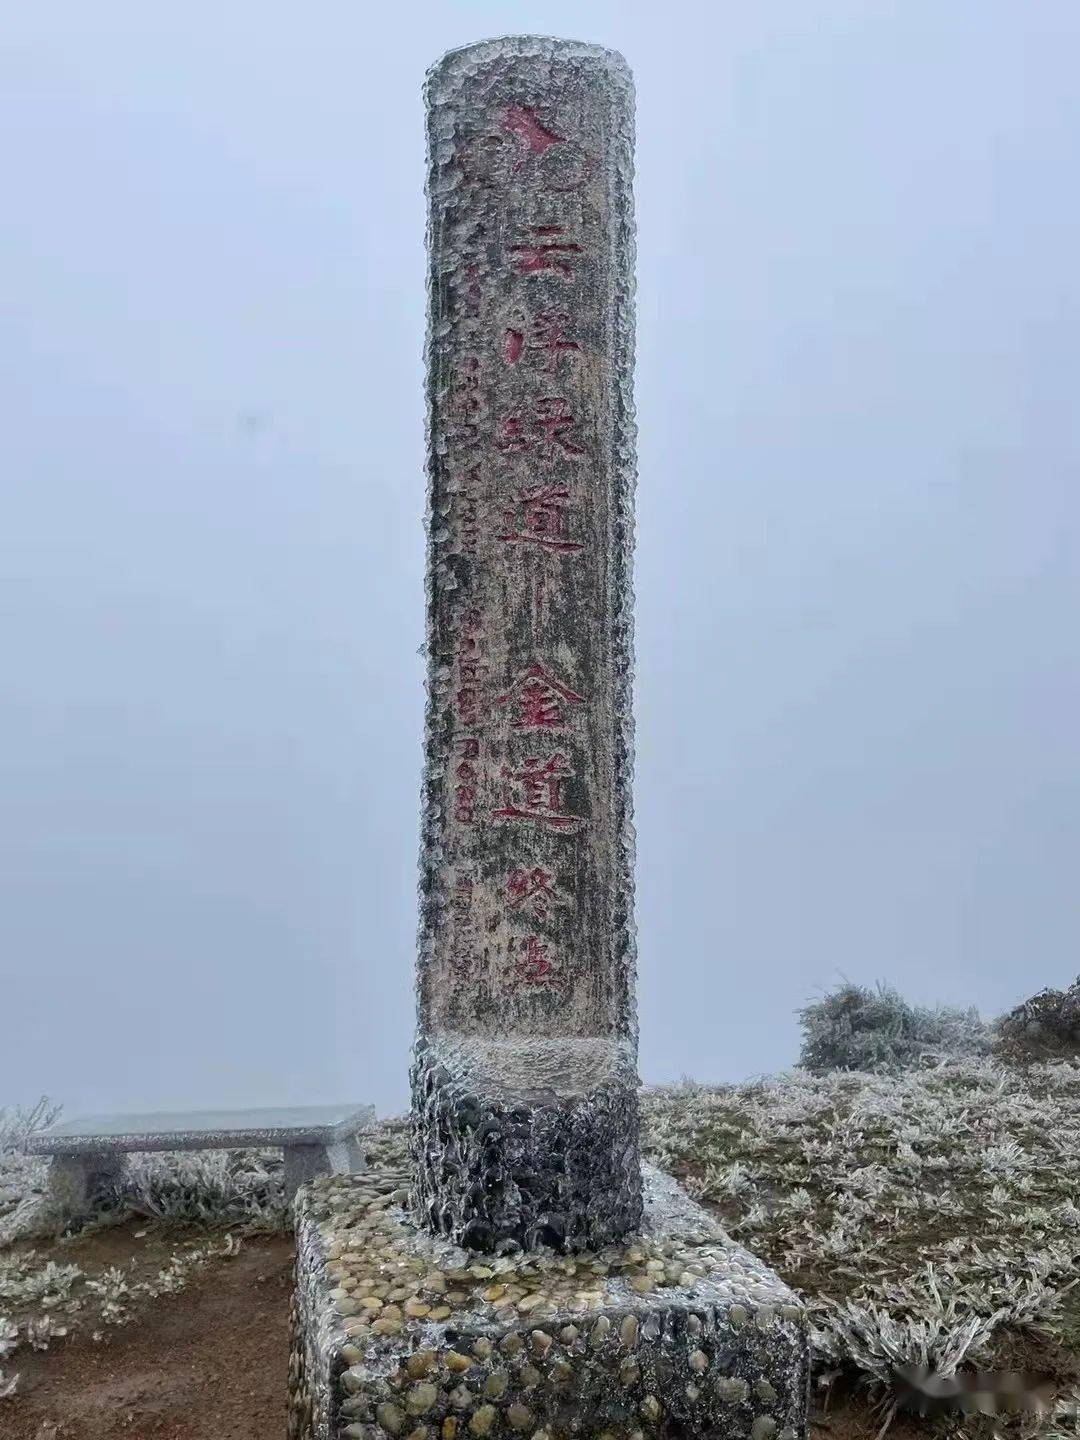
x,y
205,1129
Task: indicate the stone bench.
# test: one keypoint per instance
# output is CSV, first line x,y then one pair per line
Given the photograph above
x,y
87,1154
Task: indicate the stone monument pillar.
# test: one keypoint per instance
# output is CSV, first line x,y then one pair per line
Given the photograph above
x,y
524,1081
610,1304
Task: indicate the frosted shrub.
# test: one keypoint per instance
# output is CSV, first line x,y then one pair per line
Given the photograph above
x,y
1044,1026
22,1186
854,1028
210,1187
22,1176
16,1126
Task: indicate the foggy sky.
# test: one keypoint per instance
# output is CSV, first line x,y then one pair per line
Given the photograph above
x,y
857,590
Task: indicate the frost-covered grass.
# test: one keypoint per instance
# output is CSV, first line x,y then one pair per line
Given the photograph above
x,y
21,1188
929,1217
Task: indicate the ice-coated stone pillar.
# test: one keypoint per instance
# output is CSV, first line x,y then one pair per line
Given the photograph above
x,y
524,1074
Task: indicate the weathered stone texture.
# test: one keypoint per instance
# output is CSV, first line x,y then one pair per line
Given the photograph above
x,y
397,1332
525,1069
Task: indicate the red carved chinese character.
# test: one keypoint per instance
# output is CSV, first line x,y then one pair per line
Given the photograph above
x,y
540,700
467,776
547,430
547,336
535,793
543,520
514,437
535,137
462,900
546,253
533,966
469,667
566,170
553,419
531,890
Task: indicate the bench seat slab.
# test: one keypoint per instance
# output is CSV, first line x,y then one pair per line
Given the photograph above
x,y
205,1130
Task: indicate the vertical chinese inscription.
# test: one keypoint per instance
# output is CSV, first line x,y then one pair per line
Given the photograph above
x,y
526,925
528,431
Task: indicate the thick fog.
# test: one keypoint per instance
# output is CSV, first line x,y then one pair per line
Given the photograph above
x,y
857,586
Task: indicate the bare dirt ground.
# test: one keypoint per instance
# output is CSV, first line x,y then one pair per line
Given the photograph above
x,y
207,1363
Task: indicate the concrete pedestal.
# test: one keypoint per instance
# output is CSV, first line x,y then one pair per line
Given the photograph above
x,y
677,1332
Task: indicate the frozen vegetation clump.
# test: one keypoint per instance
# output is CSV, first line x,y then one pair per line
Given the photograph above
x,y
243,1188
855,1028
1046,1025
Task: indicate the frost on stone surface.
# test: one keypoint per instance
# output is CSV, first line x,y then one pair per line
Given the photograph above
x,y
680,1331
494,112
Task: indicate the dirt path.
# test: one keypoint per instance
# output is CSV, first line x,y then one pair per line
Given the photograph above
x,y
208,1363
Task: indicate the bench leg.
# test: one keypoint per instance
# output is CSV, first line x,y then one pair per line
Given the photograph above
x,y
346,1157
76,1182
303,1163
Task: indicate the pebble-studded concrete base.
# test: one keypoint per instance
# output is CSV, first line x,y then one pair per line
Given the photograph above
x,y
678,1332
